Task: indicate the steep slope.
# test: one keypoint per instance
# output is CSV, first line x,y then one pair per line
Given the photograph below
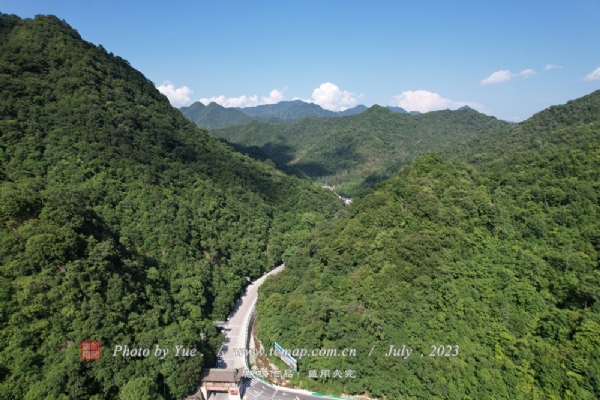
x,y
533,133
121,222
356,151
498,265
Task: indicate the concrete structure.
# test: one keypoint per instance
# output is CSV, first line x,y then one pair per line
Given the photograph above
x,y
222,380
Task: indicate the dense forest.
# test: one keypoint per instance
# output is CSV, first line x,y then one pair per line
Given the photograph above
x,y
121,222
499,258
354,152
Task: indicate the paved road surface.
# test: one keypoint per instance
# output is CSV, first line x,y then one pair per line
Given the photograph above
x,y
235,332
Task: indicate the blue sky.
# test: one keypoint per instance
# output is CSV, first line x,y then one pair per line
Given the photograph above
x,y
509,59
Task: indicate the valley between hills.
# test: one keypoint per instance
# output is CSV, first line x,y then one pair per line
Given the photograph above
x,y
125,220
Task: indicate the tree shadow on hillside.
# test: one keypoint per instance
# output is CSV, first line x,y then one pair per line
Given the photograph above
x,y
258,154
254,152
342,157
280,153
313,169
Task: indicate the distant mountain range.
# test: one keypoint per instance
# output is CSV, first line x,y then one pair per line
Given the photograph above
x,y
215,116
123,222
357,151
296,109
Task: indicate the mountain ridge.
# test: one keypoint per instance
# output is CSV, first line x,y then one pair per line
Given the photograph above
x,y
120,222
282,112
498,259
353,152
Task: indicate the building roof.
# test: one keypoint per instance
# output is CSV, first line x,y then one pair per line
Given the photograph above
x,y
222,375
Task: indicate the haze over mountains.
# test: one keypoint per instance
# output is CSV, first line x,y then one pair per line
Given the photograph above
x,y
214,116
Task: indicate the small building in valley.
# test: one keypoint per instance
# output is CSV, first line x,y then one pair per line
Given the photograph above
x,y
221,380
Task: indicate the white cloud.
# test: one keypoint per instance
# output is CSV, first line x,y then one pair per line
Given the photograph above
x,y
274,97
527,73
594,76
304,100
245,101
497,77
242,101
330,97
178,97
552,66
505,75
425,101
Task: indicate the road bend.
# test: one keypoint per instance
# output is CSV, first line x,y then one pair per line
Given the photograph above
x,y
235,329
235,338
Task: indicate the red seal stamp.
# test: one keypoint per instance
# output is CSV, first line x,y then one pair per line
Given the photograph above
x,y
90,350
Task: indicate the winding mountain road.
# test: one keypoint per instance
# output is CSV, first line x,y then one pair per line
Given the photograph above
x,y
235,338
235,330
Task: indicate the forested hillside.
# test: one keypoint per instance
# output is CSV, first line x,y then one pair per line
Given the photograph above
x,y
215,116
121,222
534,133
499,259
357,151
